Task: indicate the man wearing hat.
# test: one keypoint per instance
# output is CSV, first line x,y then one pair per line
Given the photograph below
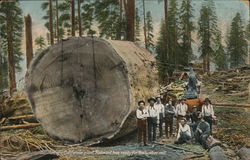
x,y
202,131
160,107
141,115
184,132
181,111
153,118
169,118
207,111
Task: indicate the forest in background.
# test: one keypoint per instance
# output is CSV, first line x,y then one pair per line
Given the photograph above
x,y
116,20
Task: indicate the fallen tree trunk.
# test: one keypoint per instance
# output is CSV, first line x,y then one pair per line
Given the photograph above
x,y
232,105
85,88
20,126
22,117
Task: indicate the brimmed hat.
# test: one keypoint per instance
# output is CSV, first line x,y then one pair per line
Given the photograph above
x,y
141,102
151,99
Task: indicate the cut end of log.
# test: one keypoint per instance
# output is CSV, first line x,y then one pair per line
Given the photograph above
x,y
85,88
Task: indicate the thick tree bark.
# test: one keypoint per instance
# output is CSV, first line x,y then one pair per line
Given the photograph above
x,y
28,37
72,6
11,61
129,6
57,22
51,23
79,18
144,27
87,88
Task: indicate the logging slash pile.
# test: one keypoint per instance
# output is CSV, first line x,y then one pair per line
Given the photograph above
x,y
19,129
229,91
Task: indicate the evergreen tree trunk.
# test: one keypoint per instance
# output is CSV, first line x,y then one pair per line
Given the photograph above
x,y
28,37
1,68
130,19
11,62
144,28
79,18
72,4
166,30
57,22
51,23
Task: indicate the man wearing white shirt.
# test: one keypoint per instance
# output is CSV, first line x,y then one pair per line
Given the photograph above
x,y
184,133
141,115
181,111
160,107
207,111
153,118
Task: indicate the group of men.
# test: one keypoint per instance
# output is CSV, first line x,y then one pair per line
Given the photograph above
x,y
196,125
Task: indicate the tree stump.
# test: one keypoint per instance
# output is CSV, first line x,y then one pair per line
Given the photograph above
x,y
216,153
85,88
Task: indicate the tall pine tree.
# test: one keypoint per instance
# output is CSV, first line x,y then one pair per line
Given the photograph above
x,y
150,29
207,32
186,29
10,35
161,49
107,14
219,56
137,25
237,44
172,34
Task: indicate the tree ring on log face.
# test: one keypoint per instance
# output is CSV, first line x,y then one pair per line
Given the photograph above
x,y
79,89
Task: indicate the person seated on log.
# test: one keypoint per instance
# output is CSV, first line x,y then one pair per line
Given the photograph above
x,y
194,120
169,118
184,133
181,111
141,115
207,112
153,120
202,131
160,107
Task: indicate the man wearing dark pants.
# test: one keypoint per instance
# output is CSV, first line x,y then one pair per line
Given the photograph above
x,y
153,118
202,131
160,107
169,118
141,115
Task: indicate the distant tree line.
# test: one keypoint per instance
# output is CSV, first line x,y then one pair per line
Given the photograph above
x,y
177,52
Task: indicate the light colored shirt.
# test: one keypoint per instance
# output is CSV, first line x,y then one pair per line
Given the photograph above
x,y
160,108
198,84
184,129
181,109
207,110
141,114
153,111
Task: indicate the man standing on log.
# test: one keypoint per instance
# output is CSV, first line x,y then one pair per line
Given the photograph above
x,y
160,107
202,131
181,111
184,132
141,115
153,120
207,112
169,118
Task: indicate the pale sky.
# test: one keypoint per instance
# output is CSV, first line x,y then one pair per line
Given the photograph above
x,y
225,10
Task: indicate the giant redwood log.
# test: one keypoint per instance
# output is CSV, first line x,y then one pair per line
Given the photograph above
x,y
84,89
